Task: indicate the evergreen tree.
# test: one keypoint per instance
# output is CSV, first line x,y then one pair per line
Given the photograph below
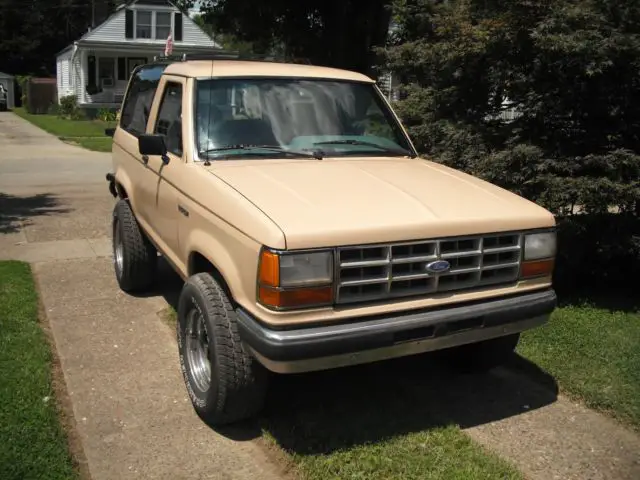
x,y
571,70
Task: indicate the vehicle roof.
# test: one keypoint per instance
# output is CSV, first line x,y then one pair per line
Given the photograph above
x,y
243,68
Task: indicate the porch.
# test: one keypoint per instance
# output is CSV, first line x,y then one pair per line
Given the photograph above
x,y
104,75
99,74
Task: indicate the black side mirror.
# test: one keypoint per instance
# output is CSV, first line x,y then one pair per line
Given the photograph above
x,y
109,132
152,144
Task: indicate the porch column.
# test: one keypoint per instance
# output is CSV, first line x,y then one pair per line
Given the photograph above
x,y
84,64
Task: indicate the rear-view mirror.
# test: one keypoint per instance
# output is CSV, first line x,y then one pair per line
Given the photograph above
x,y
151,144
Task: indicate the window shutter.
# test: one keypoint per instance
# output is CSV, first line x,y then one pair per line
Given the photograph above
x,y
122,68
91,70
128,28
177,26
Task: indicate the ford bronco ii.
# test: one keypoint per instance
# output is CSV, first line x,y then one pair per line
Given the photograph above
x,y
308,231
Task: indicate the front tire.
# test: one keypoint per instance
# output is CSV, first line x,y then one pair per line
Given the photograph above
x,y
224,382
134,257
482,356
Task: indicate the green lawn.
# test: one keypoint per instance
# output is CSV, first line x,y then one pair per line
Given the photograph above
x,y
594,354
443,453
32,442
100,144
86,133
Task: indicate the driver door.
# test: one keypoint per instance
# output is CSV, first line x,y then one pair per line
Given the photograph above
x,y
168,123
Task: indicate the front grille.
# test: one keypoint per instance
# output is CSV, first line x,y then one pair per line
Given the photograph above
x,y
380,272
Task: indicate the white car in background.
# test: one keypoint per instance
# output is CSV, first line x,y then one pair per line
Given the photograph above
x,y
3,98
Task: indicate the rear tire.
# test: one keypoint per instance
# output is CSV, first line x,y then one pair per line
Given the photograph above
x,y
134,257
482,356
224,382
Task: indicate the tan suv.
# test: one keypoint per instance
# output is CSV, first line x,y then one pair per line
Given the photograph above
x,y
309,233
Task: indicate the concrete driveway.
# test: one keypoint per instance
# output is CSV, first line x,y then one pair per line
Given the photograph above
x,y
126,396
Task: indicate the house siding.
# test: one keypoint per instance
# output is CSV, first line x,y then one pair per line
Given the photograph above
x,y
192,34
64,75
113,30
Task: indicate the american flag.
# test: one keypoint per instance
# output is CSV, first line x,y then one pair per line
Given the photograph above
x,y
169,46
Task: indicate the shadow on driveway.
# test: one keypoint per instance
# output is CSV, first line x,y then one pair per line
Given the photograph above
x,y
15,210
325,411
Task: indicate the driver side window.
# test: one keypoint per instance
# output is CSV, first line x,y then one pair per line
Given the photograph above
x,y
169,122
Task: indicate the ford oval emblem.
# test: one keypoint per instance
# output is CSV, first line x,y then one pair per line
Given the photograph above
x,y
439,266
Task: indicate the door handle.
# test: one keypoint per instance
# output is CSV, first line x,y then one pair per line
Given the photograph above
x,y
183,210
145,159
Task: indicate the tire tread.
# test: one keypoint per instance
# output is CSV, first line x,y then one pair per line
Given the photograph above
x,y
140,256
241,380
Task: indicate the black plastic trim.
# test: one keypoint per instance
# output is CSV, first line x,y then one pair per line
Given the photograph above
x,y
314,342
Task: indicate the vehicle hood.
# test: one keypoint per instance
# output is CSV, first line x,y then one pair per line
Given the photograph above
x,y
369,200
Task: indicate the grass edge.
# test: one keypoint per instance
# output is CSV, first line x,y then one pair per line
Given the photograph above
x,y
60,392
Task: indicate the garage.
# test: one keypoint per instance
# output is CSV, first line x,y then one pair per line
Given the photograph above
x,y
9,87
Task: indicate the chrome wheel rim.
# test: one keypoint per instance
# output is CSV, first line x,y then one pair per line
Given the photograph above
x,y
118,253
197,346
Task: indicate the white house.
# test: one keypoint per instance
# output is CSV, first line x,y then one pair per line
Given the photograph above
x,y
96,68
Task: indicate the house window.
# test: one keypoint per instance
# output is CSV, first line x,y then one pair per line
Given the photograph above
x,y
106,71
143,24
163,25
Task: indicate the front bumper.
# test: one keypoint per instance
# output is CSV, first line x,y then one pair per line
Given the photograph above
x,y
379,338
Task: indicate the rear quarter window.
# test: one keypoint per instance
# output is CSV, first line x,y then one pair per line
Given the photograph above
x,y
137,104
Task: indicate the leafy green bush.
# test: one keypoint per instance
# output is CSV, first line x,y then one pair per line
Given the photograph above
x,y
107,115
598,252
23,81
68,106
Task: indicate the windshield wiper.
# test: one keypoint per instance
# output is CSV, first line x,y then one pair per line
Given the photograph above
x,y
275,148
398,150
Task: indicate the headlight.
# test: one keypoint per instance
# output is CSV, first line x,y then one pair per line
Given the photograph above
x,y
294,280
539,245
539,255
306,269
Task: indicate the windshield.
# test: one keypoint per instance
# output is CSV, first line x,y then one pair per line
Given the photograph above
x,y
334,118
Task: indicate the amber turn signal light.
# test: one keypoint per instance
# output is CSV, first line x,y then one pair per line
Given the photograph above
x,y
301,297
537,268
269,269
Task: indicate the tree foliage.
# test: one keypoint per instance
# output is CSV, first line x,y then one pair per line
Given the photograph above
x,y
33,32
570,69
339,33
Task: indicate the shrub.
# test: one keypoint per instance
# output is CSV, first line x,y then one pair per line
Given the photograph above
x,y
68,106
107,115
598,252
23,81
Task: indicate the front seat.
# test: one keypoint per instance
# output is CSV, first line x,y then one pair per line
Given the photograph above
x,y
245,132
